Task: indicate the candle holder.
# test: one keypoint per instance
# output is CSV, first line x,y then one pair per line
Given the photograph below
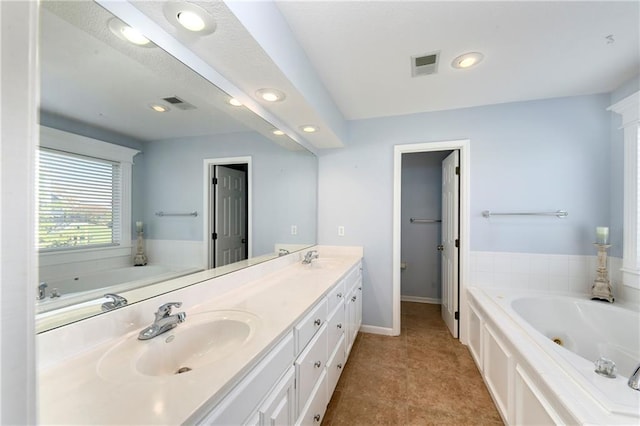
x,y
601,288
140,259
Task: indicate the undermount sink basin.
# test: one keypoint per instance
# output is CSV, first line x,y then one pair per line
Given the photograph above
x,y
203,338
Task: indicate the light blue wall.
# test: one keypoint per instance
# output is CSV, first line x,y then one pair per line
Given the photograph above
x,y
538,155
284,188
421,198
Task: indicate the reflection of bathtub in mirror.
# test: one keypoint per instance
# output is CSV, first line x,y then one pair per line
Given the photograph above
x,y
92,287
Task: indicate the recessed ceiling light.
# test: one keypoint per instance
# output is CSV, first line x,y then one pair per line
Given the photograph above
x,y
191,21
127,33
270,95
467,60
308,128
159,108
278,132
235,102
189,16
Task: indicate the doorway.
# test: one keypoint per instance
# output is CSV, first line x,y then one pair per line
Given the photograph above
x,y
453,300
228,206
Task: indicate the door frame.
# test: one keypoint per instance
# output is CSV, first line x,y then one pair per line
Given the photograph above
x,y
463,145
208,211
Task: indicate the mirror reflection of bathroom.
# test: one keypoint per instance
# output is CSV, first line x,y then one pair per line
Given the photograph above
x,y
125,202
422,279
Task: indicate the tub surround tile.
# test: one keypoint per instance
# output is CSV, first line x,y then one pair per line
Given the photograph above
x,y
545,272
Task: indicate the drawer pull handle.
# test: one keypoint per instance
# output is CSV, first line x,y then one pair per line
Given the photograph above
x,y
359,288
339,295
317,364
339,325
339,366
353,299
318,321
317,418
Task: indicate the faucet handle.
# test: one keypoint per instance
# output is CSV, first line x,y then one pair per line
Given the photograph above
x,y
165,310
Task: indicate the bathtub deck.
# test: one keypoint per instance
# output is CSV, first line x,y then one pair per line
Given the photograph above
x,y
422,377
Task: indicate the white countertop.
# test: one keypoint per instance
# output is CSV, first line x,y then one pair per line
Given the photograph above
x,y
76,390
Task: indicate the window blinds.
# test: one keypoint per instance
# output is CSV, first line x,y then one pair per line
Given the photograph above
x,y
78,201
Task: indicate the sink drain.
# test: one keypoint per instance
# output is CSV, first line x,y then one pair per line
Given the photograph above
x,y
558,341
183,370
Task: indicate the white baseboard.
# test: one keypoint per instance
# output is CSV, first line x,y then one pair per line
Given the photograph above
x,y
419,299
377,330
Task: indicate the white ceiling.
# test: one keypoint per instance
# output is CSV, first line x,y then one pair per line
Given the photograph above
x,y
346,60
361,50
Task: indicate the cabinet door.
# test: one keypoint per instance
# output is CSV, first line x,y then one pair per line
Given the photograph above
x,y
278,409
310,365
358,318
350,315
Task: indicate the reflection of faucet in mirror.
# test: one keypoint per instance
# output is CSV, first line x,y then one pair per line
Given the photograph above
x,y
42,290
115,303
163,322
283,252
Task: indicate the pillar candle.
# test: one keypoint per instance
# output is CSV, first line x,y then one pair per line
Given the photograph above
x,y
602,235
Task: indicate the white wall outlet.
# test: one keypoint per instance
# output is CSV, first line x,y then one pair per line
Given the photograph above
x,y
340,231
294,230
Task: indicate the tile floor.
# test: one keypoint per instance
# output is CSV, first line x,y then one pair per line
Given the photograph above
x,y
422,377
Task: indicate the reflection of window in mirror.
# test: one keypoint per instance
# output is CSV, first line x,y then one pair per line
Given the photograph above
x,y
78,201
84,200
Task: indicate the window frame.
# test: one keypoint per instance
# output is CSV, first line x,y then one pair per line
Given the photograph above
x,y
629,109
59,140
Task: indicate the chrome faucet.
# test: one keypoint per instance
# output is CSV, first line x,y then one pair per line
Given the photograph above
x,y
311,254
115,303
164,321
42,293
634,380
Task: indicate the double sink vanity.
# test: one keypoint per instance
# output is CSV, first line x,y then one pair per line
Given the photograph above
x,y
264,345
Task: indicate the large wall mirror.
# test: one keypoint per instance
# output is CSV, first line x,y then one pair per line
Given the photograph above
x,y
158,140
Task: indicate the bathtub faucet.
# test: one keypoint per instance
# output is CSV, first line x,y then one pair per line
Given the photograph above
x,y
163,322
311,254
634,380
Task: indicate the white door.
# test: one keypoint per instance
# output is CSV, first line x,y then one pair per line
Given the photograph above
x,y
229,215
450,243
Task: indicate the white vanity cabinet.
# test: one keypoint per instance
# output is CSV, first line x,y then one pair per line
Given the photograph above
x,y
265,382
294,382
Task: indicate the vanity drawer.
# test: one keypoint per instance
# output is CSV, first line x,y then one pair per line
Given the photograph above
x,y
336,326
335,366
335,296
245,397
310,365
311,323
313,413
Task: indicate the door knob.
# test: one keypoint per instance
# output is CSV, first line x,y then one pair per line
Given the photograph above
x,y
440,247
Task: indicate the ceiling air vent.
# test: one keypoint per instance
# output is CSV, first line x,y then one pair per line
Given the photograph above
x,y
179,103
425,64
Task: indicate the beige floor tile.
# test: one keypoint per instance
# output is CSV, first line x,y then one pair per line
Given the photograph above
x,y
360,411
422,377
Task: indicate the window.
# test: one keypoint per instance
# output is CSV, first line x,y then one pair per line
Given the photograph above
x,y
78,201
84,198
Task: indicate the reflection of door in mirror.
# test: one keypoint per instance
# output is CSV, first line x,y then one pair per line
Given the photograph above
x,y
230,214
